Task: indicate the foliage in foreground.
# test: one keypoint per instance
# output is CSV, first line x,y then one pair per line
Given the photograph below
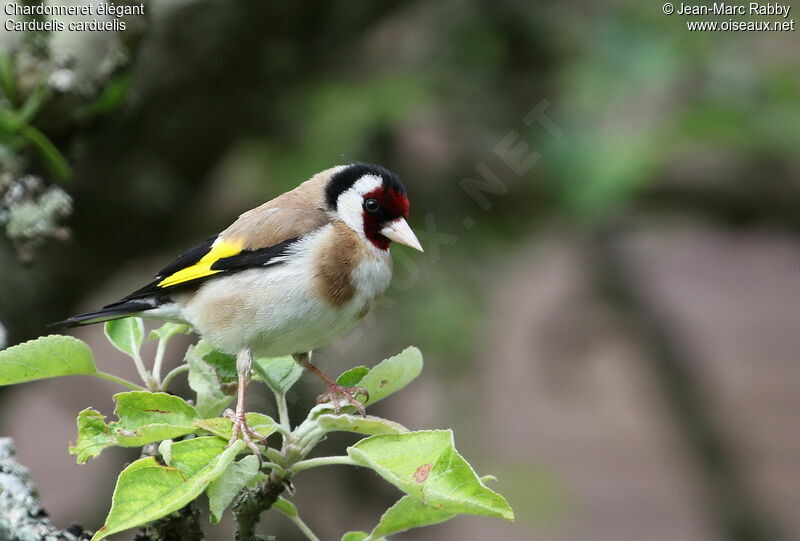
x,y
193,457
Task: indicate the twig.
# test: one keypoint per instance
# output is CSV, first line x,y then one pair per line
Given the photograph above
x,y
250,503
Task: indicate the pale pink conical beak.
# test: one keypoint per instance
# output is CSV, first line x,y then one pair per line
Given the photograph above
x,y
400,232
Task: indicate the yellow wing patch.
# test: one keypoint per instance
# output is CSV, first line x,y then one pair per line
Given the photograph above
x,y
219,250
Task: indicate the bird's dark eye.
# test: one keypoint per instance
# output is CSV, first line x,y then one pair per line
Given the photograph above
x,y
371,205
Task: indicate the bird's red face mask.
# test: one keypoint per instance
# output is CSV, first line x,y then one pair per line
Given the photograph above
x,y
385,211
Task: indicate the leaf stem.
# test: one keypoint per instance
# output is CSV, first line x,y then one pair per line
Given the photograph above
x,y
171,375
116,379
308,438
283,413
279,428
303,527
272,465
323,461
160,351
307,430
275,456
147,378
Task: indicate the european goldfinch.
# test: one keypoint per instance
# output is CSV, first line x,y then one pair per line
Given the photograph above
x,y
286,277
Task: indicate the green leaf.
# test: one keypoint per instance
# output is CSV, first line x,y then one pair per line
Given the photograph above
x,y
204,380
426,465
147,417
168,330
360,425
258,478
93,436
350,378
140,408
192,455
148,434
147,490
126,334
280,373
143,418
388,376
224,488
355,536
393,374
360,536
223,427
408,513
224,364
285,506
45,357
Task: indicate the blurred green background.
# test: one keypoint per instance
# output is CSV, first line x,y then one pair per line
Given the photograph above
x,y
609,299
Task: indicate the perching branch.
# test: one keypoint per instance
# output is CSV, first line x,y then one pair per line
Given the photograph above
x,y
183,524
21,516
250,503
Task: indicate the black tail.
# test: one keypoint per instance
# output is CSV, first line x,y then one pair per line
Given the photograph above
x,y
112,311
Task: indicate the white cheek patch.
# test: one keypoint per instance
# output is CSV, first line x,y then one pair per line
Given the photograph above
x,y
349,204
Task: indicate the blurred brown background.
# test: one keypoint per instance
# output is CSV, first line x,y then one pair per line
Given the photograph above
x,y
609,301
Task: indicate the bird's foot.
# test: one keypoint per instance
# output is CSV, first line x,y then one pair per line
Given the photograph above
x,y
240,427
338,396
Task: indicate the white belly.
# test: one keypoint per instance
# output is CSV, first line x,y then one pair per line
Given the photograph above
x,y
277,311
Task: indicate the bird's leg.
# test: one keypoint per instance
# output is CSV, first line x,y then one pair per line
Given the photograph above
x,y
335,391
243,361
